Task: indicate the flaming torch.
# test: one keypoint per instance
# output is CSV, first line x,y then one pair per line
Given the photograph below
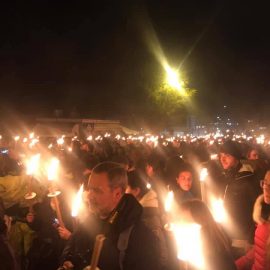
x,y
169,201
203,175
218,210
76,205
32,166
52,175
168,208
189,244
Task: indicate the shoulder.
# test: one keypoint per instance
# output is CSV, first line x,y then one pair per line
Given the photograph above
x,y
257,211
142,236
142,251
245,172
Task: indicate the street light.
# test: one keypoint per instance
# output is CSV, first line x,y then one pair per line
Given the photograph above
x,y
174,80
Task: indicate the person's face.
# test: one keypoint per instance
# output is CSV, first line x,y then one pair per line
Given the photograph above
x,y
184,180
227,161
102,199
253,155
149,170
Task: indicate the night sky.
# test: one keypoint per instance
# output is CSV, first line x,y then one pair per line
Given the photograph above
x,y
93,58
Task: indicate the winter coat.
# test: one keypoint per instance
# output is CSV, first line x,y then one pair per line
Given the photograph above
x,y
152,219
258,258
7,256
240,194
182,195
141,252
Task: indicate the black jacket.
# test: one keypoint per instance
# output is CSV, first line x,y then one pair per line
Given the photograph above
x,y
141,252
240,194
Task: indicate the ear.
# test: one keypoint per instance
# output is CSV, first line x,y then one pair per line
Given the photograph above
x,y
137,192
118,193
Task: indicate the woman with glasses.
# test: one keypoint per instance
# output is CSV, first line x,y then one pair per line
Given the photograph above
x,y
258,258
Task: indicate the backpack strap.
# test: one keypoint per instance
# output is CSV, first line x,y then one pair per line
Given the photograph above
x,y
122,244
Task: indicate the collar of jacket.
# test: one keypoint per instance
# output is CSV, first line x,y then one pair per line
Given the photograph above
x,y
149,199
126,214
239,172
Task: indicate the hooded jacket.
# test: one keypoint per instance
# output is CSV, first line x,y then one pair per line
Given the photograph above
x,y
240,195
153,220
258,258
141,251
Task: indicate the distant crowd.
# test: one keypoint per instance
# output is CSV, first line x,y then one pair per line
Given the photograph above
x,y
126,181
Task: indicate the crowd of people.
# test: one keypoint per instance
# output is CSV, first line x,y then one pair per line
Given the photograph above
x,y
126,182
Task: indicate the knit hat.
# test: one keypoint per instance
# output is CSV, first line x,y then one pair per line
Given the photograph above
x,y
232,148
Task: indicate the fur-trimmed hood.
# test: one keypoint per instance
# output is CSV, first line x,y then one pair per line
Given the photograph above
x,y
257,211
149,199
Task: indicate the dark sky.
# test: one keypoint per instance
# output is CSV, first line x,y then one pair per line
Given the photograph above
x,y
92,56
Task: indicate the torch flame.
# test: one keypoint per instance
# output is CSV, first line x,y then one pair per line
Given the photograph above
x,y
189,243
77,202
53,169
169,201
203,174
61,141
218,210
32,164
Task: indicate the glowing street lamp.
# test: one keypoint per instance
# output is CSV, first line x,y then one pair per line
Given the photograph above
x,y
173,78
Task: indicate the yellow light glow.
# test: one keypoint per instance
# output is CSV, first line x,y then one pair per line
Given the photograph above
x,y
218,211
214,156
16,138
33,142
189,243
32,165
203,174
169,201
77,203
52,170
173,78
60,141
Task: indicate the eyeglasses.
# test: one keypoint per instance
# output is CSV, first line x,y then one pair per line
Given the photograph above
x,y
263,184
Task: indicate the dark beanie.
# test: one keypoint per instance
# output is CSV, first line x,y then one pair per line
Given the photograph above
x,y
232,148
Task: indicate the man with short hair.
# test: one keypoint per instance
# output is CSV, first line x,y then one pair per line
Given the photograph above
x,y
240,192
129,244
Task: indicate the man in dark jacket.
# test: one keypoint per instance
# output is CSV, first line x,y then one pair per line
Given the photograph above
x,y
129,244
240,192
